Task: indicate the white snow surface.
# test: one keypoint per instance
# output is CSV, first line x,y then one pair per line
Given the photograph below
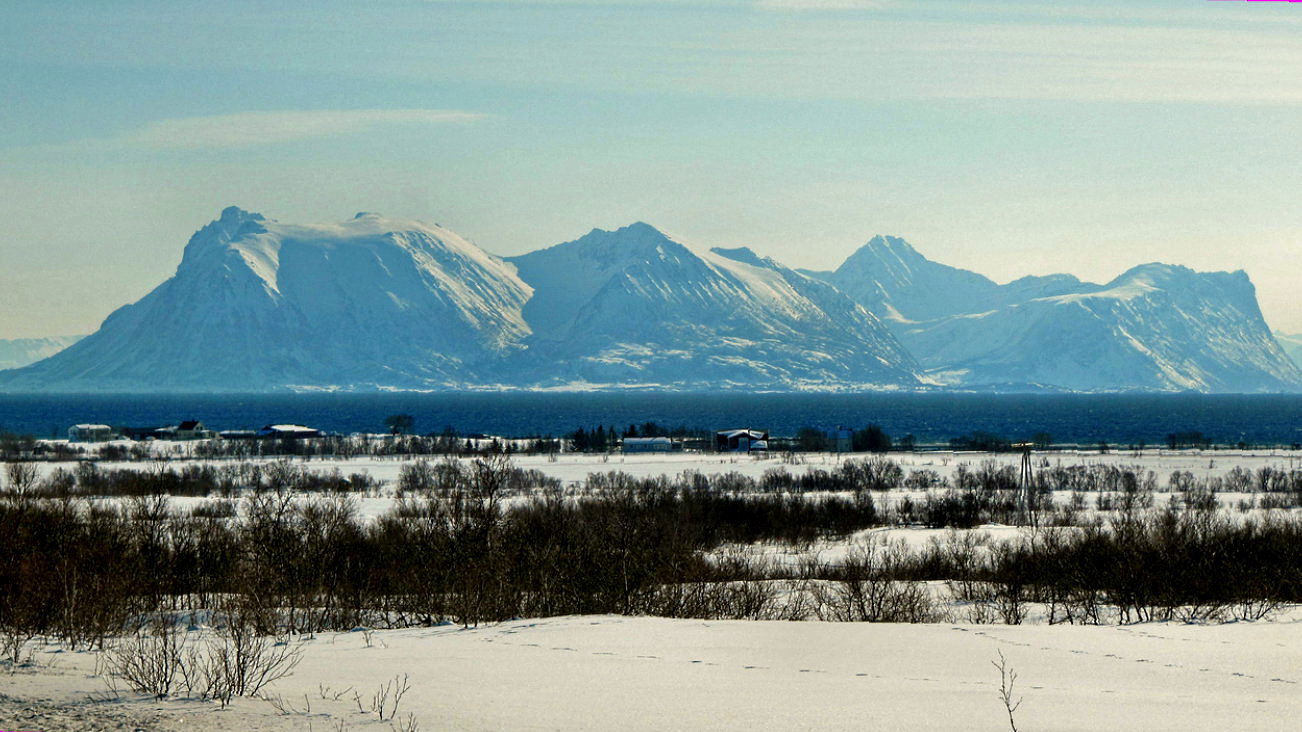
x,y
629,673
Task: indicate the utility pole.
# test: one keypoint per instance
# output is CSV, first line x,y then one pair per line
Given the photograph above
x,y
1026,483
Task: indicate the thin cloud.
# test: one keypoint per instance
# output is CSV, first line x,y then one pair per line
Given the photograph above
x,y
798,5
247,129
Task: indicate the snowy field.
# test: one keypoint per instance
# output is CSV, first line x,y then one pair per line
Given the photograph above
x,y
573,468
616,672
607,672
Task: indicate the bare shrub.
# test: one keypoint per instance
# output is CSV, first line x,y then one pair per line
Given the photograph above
x,y
149,661
862,589
1007,680
387,698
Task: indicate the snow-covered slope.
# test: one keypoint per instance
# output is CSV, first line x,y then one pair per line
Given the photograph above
x,y
635,307
894,281
19,352
1292,345
1156,327
257,304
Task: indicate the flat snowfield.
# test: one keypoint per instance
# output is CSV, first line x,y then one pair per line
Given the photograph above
x,y
621,673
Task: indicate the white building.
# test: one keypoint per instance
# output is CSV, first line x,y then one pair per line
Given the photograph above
x,y
650,444
90,433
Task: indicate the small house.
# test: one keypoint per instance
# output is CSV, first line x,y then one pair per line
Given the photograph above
x,y
90,433
191,429
741,440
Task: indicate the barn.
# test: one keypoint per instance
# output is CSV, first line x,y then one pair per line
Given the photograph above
x,y
741,440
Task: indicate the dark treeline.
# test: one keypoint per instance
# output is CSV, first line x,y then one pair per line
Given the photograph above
x,y
457,547
599,439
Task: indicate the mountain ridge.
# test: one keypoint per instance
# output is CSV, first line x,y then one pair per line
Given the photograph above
x,y
1156,326
380,303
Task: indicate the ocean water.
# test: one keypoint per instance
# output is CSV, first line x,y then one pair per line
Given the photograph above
x,y
932,418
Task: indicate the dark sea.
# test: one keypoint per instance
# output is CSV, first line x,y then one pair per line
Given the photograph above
x,y
931,418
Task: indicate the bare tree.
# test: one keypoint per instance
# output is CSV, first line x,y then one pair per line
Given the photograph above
x,y
22,477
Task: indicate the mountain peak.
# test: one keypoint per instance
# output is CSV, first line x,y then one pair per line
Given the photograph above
x,y
882,244
893,281
235,214
745,255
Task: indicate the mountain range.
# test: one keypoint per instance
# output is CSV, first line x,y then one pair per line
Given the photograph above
x,y
375,303
19,352
1155,327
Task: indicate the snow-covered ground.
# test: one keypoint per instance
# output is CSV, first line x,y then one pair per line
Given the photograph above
x,y
605,672
573,468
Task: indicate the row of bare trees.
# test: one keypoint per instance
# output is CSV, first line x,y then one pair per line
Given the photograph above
x,y
458,550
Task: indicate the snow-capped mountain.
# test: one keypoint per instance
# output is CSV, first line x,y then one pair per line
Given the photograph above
x,y
19,352
378,303
635,307
1155,327
256,304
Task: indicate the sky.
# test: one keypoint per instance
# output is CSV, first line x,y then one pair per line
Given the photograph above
x,y
1011,137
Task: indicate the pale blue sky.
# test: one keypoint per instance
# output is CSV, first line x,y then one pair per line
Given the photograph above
x,y
1010,137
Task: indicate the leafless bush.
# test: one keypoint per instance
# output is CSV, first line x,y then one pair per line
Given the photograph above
x,y
406,724
387,698
149,661
1007,679
863,589
233,662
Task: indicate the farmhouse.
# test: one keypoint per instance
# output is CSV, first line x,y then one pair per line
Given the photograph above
x,y
90,433
191,429
741,440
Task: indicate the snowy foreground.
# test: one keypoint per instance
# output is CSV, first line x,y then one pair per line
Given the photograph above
x,y
616,673
605,672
